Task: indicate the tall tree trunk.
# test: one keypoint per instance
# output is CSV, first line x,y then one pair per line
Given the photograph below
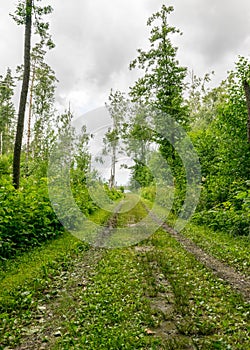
x,y
30,114
1,143
247,93
112,176
23,97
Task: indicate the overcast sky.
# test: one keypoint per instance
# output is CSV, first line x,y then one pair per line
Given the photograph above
x,y
96,40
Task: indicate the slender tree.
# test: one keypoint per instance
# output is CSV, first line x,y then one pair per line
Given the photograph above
x,y
7,112
24,14
37,56
117,108
243,74
24,93
43,109
162,84
247,94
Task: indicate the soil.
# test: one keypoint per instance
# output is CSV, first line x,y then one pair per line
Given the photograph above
x,y
45,327
104,235
46,323
239,282
164,303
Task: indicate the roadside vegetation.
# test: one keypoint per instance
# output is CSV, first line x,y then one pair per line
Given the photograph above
x,y
154,295
58,292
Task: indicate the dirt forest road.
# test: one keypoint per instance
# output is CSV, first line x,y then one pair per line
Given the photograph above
x,y
162,293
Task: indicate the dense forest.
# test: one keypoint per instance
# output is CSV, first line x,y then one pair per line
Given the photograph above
x,y
189,145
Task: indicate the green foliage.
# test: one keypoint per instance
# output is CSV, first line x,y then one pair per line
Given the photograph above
x,y
5,165
81,195
232,213
219,218
90,196
122,189
41,27
141,176
7,113
221,142
113,193
148,193
84,201
163,81
163,196
26,216
161,90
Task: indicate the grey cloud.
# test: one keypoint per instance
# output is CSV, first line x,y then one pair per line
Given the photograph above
x,y
96,40
216,28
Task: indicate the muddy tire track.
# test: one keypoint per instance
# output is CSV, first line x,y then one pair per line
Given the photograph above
x,y
162,303
47,322
239,282
104,235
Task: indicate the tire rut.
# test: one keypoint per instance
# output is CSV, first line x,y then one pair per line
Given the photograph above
x,y
106,232
239,282
46,324
47,321
162,304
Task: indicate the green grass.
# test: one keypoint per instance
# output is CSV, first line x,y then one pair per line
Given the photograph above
x,y
206,308
113,312
113,309
233,250
132,211
24,280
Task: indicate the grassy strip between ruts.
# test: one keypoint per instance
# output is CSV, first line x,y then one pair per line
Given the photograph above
x,y
206,307
133,211
113,311
230,249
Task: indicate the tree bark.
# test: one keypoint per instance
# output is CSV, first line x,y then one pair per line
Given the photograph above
x,y
23,96
30,113
1,143
112,176
247,93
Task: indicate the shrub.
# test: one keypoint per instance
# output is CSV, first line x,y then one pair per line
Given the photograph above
x,y
26,216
